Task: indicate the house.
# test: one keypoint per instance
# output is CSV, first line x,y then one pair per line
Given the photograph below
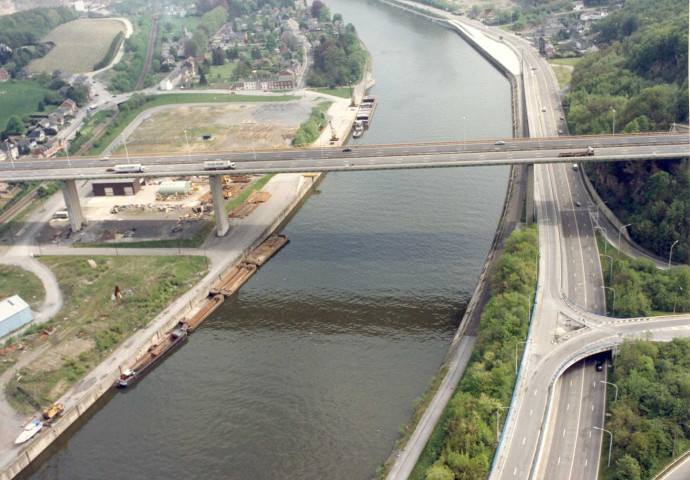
x,y
25,145
44,123
284,81
82,82
4,75
9,150
69,105
551,26
57,118
37,135
50,148
25,73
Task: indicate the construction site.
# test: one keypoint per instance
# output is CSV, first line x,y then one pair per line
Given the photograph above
x,y
171,208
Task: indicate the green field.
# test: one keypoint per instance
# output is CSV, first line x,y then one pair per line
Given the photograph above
x,y
222,73
178,23
572,61
19,97
17,281
342,92
80,45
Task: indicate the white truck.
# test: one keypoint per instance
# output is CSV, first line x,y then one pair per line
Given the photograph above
x,y
130,168
219,165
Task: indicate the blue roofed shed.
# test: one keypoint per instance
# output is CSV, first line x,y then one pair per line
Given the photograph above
x,y
14,313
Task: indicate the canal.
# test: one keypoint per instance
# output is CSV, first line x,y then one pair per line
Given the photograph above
x,y
312,368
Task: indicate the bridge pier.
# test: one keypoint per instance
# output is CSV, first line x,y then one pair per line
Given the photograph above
x,y
219,204
76,216
529,200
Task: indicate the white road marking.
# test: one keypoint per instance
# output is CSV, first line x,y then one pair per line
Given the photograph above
x,y
568,407
563,433
530,412
524,440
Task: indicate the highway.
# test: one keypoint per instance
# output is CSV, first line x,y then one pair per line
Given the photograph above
x,y
641,147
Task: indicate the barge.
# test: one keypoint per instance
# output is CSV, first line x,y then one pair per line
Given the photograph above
x,y
154,355
367,107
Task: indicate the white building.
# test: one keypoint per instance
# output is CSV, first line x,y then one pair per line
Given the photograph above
x,y
14,313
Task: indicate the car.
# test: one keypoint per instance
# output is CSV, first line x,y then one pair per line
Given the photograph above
x,y
560,132
347,149
543,109
111,169
105,158
265,90
599,365
578,204
500,142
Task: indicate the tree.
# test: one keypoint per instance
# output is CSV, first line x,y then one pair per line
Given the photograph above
x,y
15,126
627,468
202,77
217,57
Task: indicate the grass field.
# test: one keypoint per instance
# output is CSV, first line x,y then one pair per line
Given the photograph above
x,y
80,45
17,281
19,97
572,61
342,92
90,324
563,75
222,73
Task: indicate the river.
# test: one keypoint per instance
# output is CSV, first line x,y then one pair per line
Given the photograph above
x,y
311,369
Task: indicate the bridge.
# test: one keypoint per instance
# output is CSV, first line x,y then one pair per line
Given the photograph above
x,y
372,157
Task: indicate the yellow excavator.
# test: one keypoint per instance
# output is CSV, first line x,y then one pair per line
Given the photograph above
x,y
54,411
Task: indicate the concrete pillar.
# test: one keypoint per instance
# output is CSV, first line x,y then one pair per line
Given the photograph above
x,y
219,205
76,216
529,200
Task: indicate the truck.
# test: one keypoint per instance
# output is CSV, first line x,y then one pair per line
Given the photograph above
x,y
130,168
586,153
219,165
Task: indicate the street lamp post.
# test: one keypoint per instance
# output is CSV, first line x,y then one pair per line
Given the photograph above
x,y
68,160
9,152
613,308
610,265
516,350
604,381
606,236
464,133
670,252
610,444
497,411
613,125
189,152
619,234
251,132
124,141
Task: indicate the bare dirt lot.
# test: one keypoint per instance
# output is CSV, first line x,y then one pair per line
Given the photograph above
x,y
231,127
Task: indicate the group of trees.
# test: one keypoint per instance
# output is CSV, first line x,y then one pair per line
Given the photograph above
x,y
650,421
25,29
338,60
464,441
641,288
310,130
638,82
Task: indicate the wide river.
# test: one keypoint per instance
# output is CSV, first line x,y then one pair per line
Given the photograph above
x,y
312,368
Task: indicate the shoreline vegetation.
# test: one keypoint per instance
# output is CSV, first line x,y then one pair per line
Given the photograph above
x,y
463,443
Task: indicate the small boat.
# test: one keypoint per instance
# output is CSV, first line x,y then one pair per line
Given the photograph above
x,y
357,129
30,429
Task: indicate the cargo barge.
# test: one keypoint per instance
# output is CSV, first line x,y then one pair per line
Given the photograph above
x,y
239,274
367,107
154,355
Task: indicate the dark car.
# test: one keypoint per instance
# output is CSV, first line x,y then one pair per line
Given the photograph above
x,y
599,365
578,204
347,149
